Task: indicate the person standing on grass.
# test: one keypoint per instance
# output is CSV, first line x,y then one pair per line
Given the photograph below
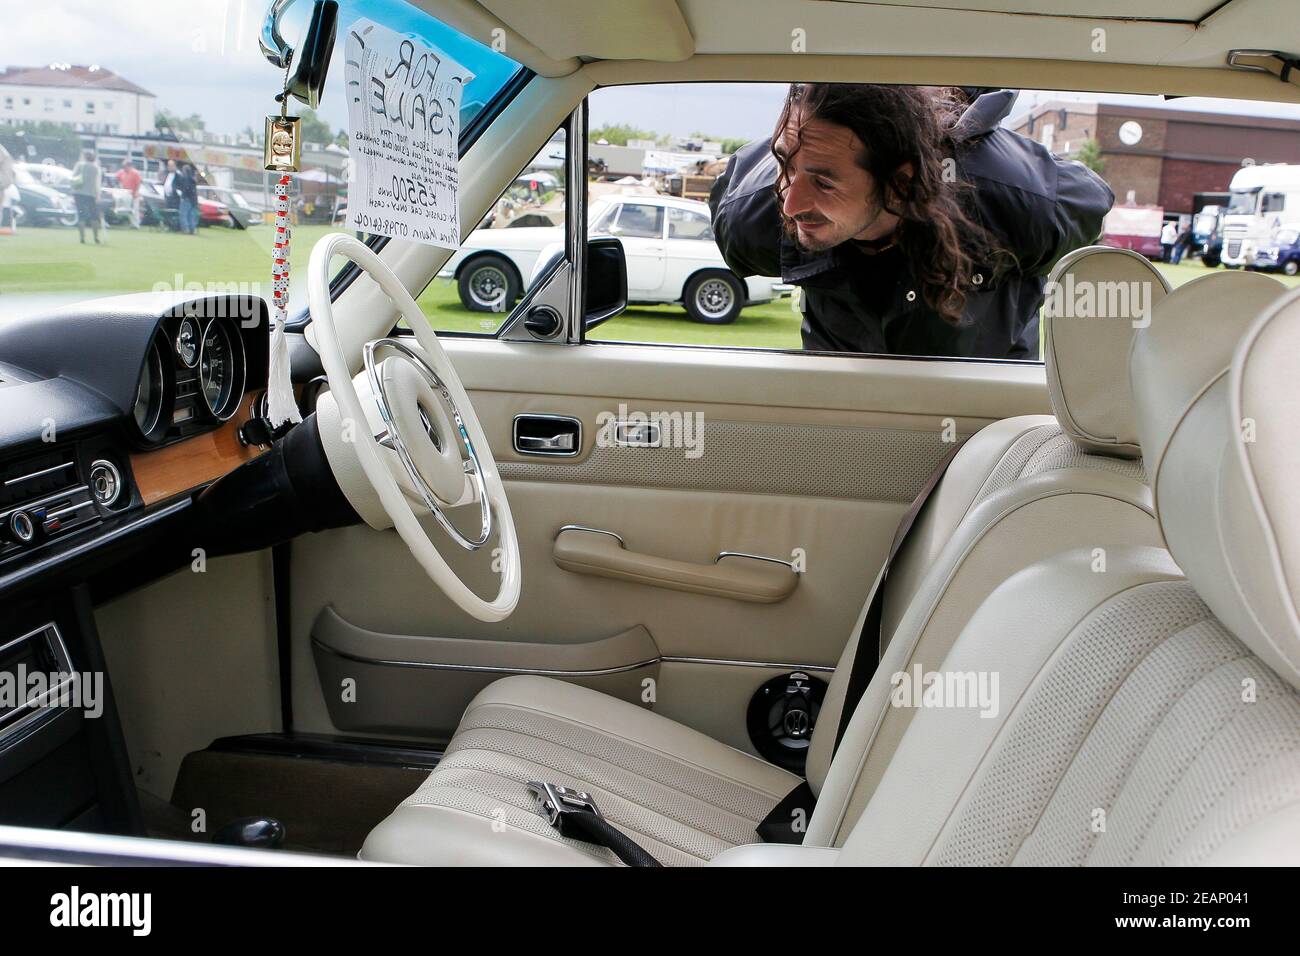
x,y
1181,242
1168,236
128,177
188,189
86,177
171,197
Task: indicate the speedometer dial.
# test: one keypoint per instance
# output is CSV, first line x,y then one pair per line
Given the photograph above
x,y
221,370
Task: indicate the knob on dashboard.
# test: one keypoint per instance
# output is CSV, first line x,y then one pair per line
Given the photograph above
x,y
105,482
20,527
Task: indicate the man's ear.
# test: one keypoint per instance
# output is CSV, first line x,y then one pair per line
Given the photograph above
x,y
906,171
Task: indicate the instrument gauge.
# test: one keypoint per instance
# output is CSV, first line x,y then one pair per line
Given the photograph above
x,y
187,341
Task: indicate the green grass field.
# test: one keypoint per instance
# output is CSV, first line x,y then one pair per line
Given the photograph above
x,y
52,262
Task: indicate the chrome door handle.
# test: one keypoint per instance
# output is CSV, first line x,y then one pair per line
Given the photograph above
x,y
536,434
560,442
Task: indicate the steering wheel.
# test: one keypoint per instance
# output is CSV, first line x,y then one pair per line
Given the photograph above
x,y
429,423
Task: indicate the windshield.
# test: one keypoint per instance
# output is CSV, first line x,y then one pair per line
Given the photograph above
x,y
142,86
1243,202
1285,237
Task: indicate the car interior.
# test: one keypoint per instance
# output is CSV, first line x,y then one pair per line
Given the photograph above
x,y
498,584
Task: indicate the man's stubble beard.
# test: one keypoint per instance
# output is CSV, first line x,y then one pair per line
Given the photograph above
x,y
823,245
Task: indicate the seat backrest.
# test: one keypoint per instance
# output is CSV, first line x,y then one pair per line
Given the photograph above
x,y
1141,717
1019,490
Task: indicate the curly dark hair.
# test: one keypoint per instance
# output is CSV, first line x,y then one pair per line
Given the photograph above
x,y
899,125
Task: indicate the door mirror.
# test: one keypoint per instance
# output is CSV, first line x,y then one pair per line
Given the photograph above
x,y
606,294
606,281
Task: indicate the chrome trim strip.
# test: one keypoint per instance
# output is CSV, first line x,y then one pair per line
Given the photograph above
x,y
486,668
62,511
37,474
71,490
774,664
575,221
756,557
583,527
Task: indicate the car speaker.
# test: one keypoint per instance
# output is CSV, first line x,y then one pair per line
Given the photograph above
x,y
781,717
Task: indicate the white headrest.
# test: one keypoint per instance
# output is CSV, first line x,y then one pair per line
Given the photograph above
x,y
1094,300
1225,476
1193,333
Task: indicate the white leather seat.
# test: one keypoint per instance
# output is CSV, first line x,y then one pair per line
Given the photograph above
x,y
1020,490
683,796
1058,487
1146,717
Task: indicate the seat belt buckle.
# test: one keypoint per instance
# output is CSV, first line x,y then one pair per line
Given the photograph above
x,y
561,804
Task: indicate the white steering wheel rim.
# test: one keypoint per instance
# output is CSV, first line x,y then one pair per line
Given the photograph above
x,y
391,496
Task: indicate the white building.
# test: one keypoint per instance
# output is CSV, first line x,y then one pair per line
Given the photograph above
x,y
89,99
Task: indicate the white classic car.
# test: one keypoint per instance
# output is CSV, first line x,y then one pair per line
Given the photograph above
x,y
668,242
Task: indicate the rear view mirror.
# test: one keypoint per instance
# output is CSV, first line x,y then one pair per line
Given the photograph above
x,y
312,56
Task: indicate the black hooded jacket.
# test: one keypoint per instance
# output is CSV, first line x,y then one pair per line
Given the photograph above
x,y
1036,206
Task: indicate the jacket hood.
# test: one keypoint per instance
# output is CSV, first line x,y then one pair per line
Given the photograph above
x,y
984,115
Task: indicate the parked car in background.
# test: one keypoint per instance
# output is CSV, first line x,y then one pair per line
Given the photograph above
x,y
668,243
42,204
242,213
1134,227
114,202
154,210
1282,253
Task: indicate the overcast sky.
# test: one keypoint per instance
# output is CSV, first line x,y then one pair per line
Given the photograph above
x,y
202,56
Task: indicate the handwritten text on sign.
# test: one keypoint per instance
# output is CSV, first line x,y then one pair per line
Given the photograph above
x,y
403,126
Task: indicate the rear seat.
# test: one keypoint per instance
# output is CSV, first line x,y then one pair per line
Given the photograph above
x,y
1146,718
1020,491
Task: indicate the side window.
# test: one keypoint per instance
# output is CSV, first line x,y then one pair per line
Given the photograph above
x,y
602,218
688,224
480,284
1274,202
640,221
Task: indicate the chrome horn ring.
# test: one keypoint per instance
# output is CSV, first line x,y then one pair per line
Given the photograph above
x,y
471,466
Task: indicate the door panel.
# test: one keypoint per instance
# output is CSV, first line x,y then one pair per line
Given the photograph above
x,y
780,455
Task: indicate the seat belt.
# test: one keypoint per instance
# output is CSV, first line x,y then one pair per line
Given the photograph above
x,y
575,815
800,802
869,649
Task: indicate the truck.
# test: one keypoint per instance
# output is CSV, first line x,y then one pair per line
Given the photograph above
x,y
1261,199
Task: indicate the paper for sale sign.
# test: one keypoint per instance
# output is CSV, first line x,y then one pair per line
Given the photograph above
x,y
403,126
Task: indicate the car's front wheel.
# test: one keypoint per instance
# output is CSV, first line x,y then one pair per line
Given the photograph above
x,y
1291,267
488,284
714,298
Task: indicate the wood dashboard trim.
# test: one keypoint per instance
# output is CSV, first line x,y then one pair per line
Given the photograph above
x,y
187,464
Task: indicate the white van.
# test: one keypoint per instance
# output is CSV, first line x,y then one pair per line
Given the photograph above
x,y
1262,199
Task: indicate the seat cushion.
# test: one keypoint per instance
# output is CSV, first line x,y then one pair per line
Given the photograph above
x,y
683,796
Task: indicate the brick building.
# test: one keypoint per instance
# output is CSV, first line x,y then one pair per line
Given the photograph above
x,y
1163,156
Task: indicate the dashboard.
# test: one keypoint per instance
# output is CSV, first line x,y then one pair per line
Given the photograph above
x,y
122,451
110,407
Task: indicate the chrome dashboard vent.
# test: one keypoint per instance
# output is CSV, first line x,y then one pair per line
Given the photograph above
x,y
42,497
